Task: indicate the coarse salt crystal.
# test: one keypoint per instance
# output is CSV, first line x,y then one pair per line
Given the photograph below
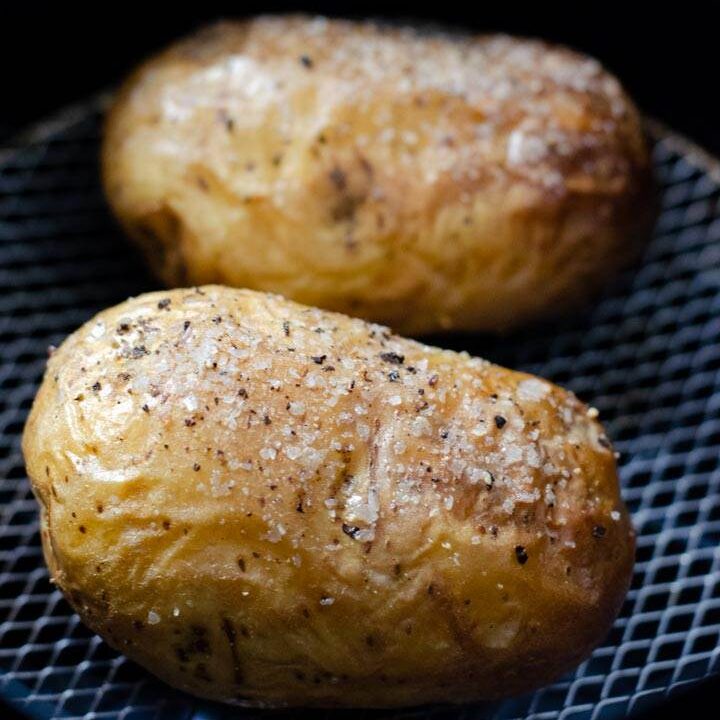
x,y
268,453
365,535
476,475
296,408
153,618
532,389
276,533
420,427
293,452
549,495
532,457
522,148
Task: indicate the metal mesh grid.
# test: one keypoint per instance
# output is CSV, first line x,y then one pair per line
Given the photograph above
x,y
647,355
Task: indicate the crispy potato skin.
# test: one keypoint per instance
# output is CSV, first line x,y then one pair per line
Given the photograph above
x,y
272,504
423,181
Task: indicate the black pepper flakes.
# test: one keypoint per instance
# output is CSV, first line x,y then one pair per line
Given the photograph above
x,y
521,554
338,178
306,61
598,531
189,422
319,359
500,422
97,387
393,376
164,304
138,351
286,328
350,530
196,467
393,357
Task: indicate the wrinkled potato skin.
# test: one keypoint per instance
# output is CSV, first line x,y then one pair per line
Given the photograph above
x,y
424,181
271,504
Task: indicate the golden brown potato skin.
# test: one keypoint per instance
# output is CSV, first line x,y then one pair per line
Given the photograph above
x,y
272,504
423,181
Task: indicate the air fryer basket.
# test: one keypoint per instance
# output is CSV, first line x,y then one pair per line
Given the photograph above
x,y
647,355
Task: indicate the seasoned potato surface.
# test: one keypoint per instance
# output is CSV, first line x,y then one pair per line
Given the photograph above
x,y
272,504
422,180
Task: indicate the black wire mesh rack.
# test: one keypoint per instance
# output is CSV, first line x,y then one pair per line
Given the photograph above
x,y
647,355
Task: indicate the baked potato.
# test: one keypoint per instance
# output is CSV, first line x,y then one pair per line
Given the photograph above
x,y
425,181
267,503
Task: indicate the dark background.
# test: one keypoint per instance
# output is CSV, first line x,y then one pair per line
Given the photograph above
x,y
667,55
